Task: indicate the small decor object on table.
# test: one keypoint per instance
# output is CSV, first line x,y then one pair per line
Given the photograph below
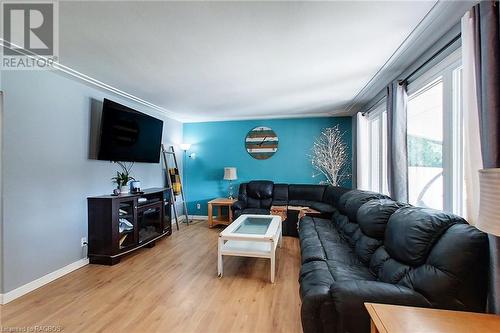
x,y
135,186
330,156
255,236
220,218
122,178
230,174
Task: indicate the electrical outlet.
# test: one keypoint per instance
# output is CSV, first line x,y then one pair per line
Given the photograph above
x,y
84,241
198,206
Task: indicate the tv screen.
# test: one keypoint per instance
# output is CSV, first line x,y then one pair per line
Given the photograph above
x,y
128,135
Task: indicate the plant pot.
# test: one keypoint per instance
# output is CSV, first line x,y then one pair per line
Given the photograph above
x,y
124,189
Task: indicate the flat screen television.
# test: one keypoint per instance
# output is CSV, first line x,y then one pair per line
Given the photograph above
x,y
128,135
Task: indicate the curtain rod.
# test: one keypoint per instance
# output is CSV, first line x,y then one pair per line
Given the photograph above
x,y
434,56
373,106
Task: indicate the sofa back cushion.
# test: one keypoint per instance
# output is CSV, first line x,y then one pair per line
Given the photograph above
x,y
332,194
436,254
306,192
372,218
412,232
257,193
350,202
280,194
456,270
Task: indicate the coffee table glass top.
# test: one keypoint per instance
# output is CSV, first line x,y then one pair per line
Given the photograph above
x,y
254,225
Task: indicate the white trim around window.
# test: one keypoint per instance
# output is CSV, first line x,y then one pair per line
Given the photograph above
x,y
449,73
372,149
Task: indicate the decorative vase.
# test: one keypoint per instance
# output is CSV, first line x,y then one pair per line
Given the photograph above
x,y
124,189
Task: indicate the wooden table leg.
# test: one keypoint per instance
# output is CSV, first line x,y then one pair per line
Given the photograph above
x,y
219,213
210,215
220,262
273,261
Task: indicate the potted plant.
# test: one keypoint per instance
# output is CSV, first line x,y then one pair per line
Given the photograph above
x,y
122,178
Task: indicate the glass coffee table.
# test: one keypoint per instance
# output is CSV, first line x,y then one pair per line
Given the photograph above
x,y
251,236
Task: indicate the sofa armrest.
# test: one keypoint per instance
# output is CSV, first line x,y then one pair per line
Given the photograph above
x,y
349,298
239,205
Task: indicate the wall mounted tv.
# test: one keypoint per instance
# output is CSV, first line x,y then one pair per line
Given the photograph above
x,y
128,135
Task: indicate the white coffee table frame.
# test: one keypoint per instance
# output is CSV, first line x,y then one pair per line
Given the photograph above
x,y
250,245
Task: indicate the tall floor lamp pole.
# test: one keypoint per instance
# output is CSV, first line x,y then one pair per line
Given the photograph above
x,y
185,147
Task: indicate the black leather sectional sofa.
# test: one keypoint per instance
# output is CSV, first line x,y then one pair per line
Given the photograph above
x,y
369,248
257,197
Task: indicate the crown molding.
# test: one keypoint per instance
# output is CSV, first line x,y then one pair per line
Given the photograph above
x,y
264,117
442,17
73,73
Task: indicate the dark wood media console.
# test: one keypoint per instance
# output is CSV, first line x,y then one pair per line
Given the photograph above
x,y
121,224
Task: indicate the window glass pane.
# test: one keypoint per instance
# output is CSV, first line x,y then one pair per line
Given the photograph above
x,y
384,186
375,153
425,146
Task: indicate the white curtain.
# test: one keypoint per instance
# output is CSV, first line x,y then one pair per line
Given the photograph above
x,y
362,155
472,151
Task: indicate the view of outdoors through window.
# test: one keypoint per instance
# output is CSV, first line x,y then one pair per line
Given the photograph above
x,y
425,146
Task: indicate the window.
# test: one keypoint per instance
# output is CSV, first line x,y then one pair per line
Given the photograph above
x,y
435,138
425,146
372,150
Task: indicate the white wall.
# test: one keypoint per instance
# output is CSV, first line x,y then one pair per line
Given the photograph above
x,y
47,172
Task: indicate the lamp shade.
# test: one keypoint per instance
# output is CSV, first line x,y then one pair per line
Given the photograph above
x,y
185,146
489,201
230,173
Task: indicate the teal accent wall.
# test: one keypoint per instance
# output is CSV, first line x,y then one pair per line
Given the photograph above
x,y
222,144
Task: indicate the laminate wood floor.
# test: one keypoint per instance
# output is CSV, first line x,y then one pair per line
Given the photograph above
x,y
172,287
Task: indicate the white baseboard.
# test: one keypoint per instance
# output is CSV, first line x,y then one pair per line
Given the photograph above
x,y
192,217
29,287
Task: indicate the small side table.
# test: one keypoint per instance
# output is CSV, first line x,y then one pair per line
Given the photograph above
x,y
386,318
220,218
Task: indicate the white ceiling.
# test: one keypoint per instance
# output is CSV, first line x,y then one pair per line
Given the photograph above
x,y
236,60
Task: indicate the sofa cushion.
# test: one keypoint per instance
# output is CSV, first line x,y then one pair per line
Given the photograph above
x,y
311,245
306,192
346,271
365,247
351,201
332,194
373,216
317,205
320,240
412,232
256,194
323,208
260,189
315,278
280,194
452,274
